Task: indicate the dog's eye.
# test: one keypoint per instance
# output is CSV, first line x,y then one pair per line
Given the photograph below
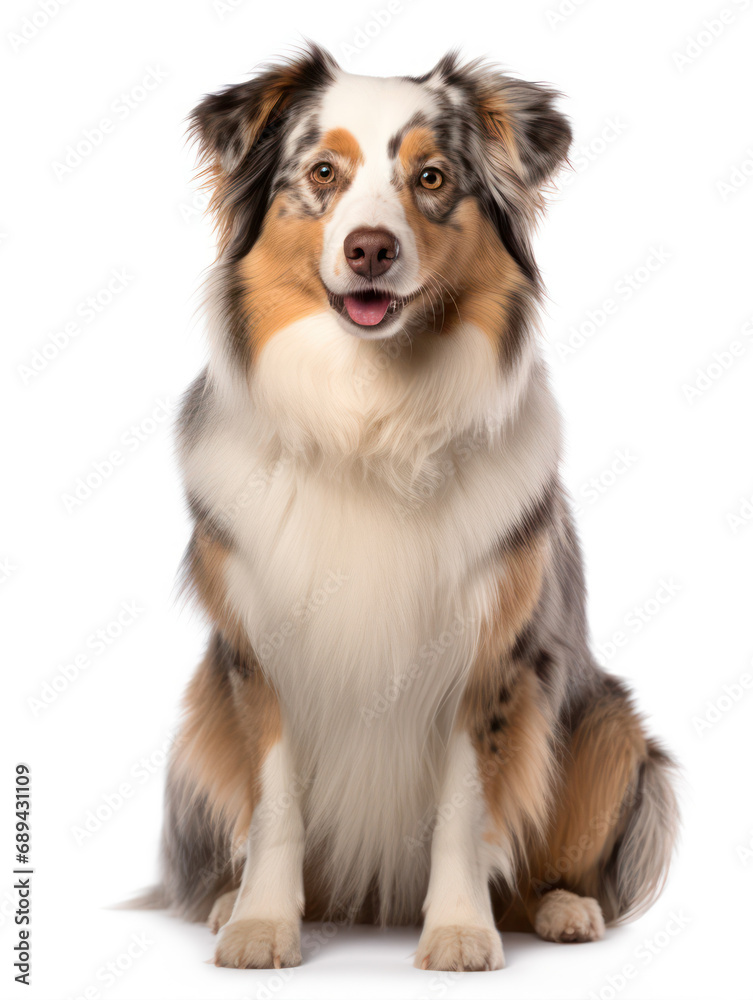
x,y
323,173
431,178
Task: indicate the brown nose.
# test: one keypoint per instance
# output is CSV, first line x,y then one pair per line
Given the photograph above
x,y
370,252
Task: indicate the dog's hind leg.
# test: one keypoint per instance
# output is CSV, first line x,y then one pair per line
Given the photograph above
x,y
614,826
232,722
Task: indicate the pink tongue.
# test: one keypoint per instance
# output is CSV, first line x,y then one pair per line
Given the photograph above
x,y
367,311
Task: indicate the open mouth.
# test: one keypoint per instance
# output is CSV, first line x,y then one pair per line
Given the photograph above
x,y
369,308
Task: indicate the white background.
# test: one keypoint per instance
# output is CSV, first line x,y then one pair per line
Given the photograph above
x,y
653,180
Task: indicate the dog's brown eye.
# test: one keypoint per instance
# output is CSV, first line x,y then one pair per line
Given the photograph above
x,y
431,179
323,173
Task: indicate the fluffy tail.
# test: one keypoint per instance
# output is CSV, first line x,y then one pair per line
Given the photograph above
x,y
637,868
154,898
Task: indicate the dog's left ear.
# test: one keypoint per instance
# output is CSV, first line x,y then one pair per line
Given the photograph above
x,y
523,126
518,140
520,128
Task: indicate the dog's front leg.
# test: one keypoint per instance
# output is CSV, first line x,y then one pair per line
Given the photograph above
x,y
459,931
264,929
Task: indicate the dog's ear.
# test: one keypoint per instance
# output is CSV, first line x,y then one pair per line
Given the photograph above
x,y
523,127
518,121
519,140
229,124
240,133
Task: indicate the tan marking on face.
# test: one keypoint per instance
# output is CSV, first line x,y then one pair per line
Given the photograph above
x,y
343,143
465,264
281,273
418,146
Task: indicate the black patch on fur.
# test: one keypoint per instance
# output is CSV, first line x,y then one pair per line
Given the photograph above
x,y
497,723
396,141
195,406
195,853
534,521
230,660
512,231
310,137
518,325
207,522
544,665
524,644
237,318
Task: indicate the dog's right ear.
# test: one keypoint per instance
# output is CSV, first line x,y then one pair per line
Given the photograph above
x,y
230,123
239,131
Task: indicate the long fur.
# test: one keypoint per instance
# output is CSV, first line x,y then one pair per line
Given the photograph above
x,y
382,543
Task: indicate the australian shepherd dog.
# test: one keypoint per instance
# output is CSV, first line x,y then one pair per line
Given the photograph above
x,y
398,719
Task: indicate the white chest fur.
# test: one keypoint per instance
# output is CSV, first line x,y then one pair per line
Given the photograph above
x,y
363,516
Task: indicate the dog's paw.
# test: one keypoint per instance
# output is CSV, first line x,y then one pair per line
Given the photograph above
x,y
259,944
221,911
459,948
564,916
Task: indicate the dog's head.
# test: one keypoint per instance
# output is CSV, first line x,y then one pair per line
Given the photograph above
x,y
398,204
